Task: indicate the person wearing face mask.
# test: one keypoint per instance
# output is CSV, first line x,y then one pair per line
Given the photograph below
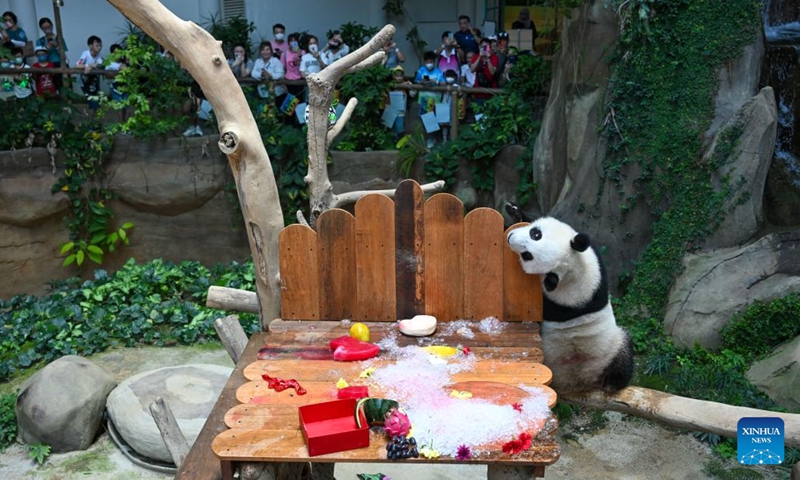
x,y
451,80
447,54
241,65
335,49
10,32
44,83
49,41
15,86
311,62
279,44
429,75
290,59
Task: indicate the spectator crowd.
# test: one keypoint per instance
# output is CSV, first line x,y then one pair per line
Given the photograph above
x,y
463,58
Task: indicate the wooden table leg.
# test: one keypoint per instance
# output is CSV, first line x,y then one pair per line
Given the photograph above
x,y
514,472
227,470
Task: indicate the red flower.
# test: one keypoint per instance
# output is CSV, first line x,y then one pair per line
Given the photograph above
x,y
518,445
465,350
518,407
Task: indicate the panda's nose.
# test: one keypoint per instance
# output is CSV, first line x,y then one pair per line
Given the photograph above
x,y
527,256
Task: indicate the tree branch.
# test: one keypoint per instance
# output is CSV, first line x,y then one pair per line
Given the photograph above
x,y
201,55
320,95
374,59
682,412
352,197
342,122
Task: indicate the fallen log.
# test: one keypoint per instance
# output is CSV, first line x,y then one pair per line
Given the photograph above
x,y
682,412
232,300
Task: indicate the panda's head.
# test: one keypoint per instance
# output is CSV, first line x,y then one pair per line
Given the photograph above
x,y
546,245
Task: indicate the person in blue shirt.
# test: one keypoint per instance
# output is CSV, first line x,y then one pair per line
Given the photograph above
x,y
467,37
429,74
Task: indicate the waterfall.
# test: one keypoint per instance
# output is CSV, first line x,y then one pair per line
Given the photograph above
x,y
781,71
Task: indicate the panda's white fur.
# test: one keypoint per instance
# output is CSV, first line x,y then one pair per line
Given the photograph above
x,y
581,341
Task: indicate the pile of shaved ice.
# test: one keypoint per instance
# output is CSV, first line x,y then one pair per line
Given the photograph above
x,y
443,422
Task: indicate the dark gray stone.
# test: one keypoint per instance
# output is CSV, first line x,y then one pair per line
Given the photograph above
x,y
189,390
778,375
62,404
749,162
716,285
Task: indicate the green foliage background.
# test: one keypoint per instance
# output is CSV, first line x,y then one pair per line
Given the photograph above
x,y
156,303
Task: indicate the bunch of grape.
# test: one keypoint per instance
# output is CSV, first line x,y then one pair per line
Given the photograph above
x,y
400,447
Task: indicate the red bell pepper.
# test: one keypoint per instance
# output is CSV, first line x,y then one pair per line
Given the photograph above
x,y
349,349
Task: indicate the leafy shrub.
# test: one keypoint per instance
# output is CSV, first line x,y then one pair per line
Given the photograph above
x,y
510,118
156,88
762,326
365,131
231,32
156,303
8,420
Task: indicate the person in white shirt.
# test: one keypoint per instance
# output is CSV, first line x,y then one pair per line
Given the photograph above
x,y
269,69
335,49
467,75
311,62
90,59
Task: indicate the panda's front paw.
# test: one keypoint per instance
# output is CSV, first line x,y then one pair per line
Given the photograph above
x,y
516,213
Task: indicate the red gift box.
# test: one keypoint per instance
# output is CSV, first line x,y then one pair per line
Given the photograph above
x,y
331,427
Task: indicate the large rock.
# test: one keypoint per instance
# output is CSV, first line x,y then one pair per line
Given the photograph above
x,y
737,81
569,125
62,404
778,375
748,161
189,390
176,180
720,283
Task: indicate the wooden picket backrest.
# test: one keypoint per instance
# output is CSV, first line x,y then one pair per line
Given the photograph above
x,y
396,259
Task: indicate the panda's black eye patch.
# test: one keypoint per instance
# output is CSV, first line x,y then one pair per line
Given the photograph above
x,y
536,234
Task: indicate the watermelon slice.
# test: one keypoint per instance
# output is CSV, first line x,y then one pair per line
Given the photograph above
x,y
349,349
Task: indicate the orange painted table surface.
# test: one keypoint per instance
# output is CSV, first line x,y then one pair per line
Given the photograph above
x,y
264,426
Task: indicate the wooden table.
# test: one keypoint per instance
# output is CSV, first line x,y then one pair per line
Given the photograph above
x,y
269,431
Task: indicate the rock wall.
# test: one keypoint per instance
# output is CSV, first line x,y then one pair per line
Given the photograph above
x,y
172,190
177,194
569,151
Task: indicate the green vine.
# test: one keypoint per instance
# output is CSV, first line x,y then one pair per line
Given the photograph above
x,y
660,103
154,89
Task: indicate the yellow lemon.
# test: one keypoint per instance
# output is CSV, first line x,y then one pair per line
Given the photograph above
x,y
360,331
441,351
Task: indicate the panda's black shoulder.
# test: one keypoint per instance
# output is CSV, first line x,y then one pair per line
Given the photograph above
x,y
555,312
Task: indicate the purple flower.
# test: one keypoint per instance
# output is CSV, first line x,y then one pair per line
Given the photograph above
x,y
463,453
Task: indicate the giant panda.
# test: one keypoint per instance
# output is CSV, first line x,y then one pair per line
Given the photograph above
x,y
582,344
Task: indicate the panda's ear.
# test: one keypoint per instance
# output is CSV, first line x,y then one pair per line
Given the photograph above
x,y
580,243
